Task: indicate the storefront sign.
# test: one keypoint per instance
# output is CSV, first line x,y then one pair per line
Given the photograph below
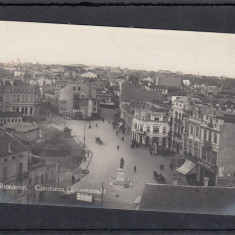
x,y
84,197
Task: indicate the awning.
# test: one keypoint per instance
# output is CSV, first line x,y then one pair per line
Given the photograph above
x,y
120,124
187,168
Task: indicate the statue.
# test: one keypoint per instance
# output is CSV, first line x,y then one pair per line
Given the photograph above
x,y
122,163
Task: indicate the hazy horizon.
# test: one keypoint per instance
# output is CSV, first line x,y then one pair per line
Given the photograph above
x,y
209,54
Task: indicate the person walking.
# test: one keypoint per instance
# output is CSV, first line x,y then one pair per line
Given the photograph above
x,y
117,147
96,124
73,179
134,168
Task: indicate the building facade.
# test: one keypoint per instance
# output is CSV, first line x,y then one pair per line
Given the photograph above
x,y
21,97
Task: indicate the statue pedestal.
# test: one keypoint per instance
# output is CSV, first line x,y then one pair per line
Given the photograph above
x,y
121,181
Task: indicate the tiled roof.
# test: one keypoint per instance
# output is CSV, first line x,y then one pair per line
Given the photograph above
x,y
188,199
10,114
170,81
23,127
130,93
15,146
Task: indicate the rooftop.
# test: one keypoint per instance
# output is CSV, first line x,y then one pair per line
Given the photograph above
x,y
10,114
23,127
15,146
188,199
170,81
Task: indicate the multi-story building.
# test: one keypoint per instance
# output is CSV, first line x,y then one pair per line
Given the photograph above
x,y
181,109
203,145
21,97
20,172
78,98
151,125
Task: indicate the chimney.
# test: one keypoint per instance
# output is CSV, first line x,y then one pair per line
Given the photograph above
x,y
206,180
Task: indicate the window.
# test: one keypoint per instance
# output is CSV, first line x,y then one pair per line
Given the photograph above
x,y
148,128
205,133
42,178
94,109
191,129
214,158
23,100
94,102
14,98
156,118
36,180
4,173
31,98
79,88
209,139
12,120
215,138
26,98
31,111
176,115
5,160
74,88
197,131
15,119
20,168
141,127
155,129
164,130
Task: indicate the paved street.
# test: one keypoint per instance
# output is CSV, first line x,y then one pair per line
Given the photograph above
x,y
106,161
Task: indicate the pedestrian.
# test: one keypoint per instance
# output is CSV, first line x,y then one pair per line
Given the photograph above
x,y
109,121
89,126
103,119
96,124
134,168
117,147
73,179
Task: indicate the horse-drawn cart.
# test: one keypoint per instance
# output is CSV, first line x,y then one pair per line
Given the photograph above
x,y
159,178
99,141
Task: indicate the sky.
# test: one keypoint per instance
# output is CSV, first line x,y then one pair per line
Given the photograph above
x,y
211,54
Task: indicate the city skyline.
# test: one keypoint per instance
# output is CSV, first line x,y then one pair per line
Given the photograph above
x,y
209,54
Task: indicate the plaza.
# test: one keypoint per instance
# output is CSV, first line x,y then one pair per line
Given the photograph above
x,y
106,160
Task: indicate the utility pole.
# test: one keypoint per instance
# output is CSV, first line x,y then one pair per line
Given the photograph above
x,y
84,138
